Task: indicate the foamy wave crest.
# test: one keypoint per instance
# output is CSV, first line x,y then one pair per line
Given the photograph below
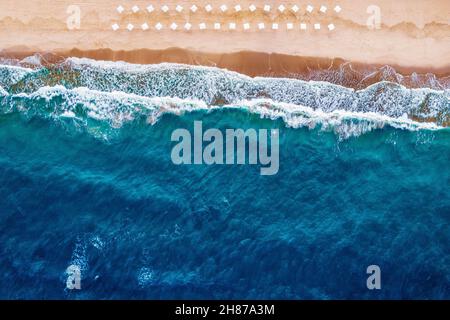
x,y
215,86
344,123
117,108
3,92
10,75
358,77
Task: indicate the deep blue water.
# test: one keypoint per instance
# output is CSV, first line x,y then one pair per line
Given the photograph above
x,y
142,227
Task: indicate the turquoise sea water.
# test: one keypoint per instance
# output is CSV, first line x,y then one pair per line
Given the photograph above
x,y
86,179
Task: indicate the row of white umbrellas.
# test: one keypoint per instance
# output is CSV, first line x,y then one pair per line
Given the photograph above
x,y
231,26
224,8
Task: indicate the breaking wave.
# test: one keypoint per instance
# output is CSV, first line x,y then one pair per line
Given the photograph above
x,y
117,92
88,107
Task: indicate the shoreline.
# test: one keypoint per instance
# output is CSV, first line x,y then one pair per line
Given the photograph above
x,y
351,74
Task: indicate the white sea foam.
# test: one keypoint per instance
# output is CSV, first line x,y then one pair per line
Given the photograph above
x,y
218,86
120,91
3,92
118,108
79,257
16,68
34,60
146,276
344,123
10,74
82,63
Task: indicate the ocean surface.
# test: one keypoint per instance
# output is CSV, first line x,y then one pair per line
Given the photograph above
x,y
86,179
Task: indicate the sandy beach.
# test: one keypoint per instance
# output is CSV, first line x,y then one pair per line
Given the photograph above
x,y
414,35
286,151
